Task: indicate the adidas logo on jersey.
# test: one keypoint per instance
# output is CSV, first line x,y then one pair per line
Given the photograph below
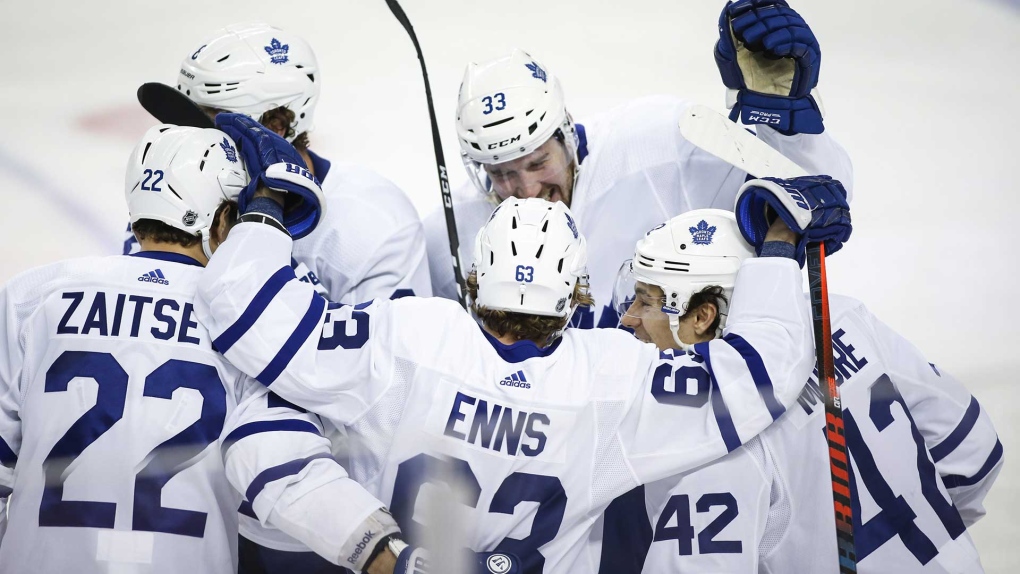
x,y
516,380
154,277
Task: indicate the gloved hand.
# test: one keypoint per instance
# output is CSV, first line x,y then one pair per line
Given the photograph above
x,y
416,560
813,206
768,54
273,162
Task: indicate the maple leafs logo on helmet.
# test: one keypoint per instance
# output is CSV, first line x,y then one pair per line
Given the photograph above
x,y
229,150
573,227
536,71
702,234
277,51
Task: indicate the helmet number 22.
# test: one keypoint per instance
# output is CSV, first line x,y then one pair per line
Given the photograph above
x,y
525,273
500,100
149,175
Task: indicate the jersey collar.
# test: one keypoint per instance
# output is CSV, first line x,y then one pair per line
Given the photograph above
x,y
582,143
320,165
521,350
167,256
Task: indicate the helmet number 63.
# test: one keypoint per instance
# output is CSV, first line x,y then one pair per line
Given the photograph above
x,y
525,273
500,100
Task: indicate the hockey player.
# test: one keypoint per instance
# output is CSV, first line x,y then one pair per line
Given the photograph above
x,y
924,452
544,426
628,169
371,248
125,438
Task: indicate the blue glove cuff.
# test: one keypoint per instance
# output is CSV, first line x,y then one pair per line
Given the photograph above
x,y
777,249
265,206
786,115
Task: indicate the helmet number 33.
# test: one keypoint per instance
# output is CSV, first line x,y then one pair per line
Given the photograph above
x,y
499,98
525,273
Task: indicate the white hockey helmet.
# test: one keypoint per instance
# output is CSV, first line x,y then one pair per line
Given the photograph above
x,y
180,175
251,69
507,108
692,251
529,257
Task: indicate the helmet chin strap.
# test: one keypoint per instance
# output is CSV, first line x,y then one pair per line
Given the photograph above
x,y
674,328
206,249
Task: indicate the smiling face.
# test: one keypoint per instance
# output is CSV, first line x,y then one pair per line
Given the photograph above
x,y
651,324
547,172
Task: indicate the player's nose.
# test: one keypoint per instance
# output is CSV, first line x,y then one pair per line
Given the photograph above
x,y
528,187
630,321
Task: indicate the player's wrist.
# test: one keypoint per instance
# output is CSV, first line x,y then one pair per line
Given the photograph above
x,y
383,559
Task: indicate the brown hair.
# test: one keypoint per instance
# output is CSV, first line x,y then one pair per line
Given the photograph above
x,y
280,120
521,326
712,294
160,232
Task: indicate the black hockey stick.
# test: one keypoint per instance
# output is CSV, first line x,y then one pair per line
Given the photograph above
x,y
731,143
170,106
839,463
444,182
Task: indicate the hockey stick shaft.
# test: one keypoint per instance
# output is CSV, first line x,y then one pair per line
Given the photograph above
x,y
839,463
444,182
730,142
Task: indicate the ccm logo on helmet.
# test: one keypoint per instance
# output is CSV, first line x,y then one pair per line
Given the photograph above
x,y
505,143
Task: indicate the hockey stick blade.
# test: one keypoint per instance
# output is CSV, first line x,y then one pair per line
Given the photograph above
x,y
170,106
730,142
444,181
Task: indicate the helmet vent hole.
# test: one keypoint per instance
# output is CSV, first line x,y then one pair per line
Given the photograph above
x,y
513,223
146,150
513,247
474,145
201,166
683,246
528,113
492,257
302,115
539,254
559,267
174,192
311,77
498,122
223,58
542,117
545,225
532,128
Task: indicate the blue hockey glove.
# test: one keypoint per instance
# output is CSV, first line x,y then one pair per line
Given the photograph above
x,y
813,206
413,560
416,560
768,54
498,563
273,162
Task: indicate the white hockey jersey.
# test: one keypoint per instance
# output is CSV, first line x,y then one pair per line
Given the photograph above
x,y
120,426
636,171
924,455
544,437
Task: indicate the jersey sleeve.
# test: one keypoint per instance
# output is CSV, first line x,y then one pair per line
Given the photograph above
x,y
11,359
692,409
959,434
323,356
276,455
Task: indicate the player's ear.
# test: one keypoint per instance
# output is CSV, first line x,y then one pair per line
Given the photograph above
x,y
704,316
223,221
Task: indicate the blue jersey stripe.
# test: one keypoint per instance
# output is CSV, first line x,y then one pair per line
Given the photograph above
x,y
955,480
283,425
258,305
7,456
5,491
959,434
247,510
305,328
722,414
277,472
759,374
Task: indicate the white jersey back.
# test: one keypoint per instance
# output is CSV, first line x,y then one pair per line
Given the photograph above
x,y
544,438
924,455
113,405
636,171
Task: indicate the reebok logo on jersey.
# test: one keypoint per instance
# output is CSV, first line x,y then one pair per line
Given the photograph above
x,y
154,277
360,547
516,380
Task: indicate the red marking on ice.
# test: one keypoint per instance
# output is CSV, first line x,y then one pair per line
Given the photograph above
x,y
122,121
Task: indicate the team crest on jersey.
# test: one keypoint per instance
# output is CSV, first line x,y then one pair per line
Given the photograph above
x,y
516,380
571,225
189,218
702,234
277,51
536,71
229,150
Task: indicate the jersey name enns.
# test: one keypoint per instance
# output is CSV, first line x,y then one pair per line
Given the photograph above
x,y
497,427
